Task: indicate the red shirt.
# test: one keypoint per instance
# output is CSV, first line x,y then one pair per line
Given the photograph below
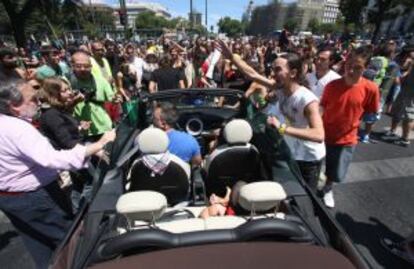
x,y
343,107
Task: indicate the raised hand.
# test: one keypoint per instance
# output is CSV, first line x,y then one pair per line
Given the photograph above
x,y
224,49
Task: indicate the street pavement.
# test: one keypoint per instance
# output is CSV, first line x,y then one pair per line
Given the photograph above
x,y
375,201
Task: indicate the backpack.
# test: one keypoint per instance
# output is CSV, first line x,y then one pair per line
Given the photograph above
x,y
376,69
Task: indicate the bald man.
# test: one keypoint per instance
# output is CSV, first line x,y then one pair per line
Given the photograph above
x,y
96,90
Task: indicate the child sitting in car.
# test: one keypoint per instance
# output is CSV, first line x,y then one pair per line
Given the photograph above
x,y
221,206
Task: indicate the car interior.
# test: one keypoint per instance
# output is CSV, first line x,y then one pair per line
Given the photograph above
x,y
161,210
149,201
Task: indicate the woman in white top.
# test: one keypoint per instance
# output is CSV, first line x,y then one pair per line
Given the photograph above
x,y
303,129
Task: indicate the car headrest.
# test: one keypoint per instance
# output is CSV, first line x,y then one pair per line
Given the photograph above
x,y
152,141
261,196
238,131
142,205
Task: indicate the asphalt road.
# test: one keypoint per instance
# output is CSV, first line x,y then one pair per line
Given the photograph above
x,y
375,201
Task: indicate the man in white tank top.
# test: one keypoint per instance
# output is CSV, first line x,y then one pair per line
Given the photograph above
x,y
304,128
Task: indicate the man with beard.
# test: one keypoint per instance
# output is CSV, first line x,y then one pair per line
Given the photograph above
x,y
53,65
100,65
112,55
29,193
8,65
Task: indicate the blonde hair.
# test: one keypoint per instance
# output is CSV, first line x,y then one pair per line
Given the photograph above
x,y
50,92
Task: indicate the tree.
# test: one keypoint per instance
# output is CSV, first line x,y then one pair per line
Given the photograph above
x,y
314,25
18,12
148,20
328,28
352,10
230,26
291,24
382,10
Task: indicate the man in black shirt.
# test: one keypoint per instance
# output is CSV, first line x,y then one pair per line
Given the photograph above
x,y
166,77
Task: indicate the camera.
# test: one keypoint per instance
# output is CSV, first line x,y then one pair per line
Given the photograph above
x,y
88,93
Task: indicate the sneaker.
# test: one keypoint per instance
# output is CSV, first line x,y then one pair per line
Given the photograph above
x,y
365,139
402,142
328,199
390,136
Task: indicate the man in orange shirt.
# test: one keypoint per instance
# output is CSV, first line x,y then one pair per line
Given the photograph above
x,y
344,101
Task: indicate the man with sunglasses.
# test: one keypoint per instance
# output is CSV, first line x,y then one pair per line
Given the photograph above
x,y
53,65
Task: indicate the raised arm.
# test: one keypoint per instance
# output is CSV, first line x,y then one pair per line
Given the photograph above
x,y
246,69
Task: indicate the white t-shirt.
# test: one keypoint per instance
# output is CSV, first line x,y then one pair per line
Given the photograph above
x,y
318,85
293,109
136,65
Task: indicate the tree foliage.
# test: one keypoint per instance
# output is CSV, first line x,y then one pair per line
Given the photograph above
x,y
148,20
18,12
353,11
314,25
329,28
382,10
291,24
40,17
230,26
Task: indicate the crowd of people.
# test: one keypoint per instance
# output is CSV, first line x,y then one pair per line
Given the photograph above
x,y
59,104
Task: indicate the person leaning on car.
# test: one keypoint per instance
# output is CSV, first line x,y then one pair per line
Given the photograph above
x,y
29,193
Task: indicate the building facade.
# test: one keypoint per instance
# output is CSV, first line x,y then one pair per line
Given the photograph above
x,y
196,18
307,10
331,11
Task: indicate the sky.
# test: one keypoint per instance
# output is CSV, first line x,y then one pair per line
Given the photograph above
x,y
216,8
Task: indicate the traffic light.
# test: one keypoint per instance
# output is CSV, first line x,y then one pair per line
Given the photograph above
x,y
123,17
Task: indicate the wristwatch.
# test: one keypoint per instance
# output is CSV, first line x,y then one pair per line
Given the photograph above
x,y
282,128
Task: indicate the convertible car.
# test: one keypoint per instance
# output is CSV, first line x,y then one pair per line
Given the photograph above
x,y
139,217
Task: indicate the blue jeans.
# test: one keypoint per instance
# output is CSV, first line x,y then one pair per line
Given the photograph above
x,y
81,188
42,218
338,159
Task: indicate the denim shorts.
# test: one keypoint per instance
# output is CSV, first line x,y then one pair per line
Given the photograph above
x,y
338,159
371,117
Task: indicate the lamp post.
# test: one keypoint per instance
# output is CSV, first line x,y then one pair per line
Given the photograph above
x,y
191,15
206,16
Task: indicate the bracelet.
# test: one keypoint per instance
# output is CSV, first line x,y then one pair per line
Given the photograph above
x,y
282,129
